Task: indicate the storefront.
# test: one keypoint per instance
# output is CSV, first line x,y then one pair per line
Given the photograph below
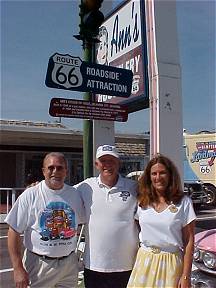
x,y
24,144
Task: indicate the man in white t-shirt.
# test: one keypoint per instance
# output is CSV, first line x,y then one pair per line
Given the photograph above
x,y
111,233
48,214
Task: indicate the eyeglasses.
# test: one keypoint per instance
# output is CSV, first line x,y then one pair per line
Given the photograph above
x,y
57,168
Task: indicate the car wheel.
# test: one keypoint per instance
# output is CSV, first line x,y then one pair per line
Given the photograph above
x,y
211,197
211,193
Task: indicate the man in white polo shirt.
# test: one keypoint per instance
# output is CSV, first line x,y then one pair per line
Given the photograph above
x,y
111,233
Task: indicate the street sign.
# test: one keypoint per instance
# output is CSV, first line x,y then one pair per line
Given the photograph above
x,y
72,108
71,73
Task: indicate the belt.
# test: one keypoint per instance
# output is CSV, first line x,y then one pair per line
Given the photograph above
x,y
158,250
45,257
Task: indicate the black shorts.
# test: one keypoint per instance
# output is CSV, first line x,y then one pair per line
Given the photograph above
x,y
94,279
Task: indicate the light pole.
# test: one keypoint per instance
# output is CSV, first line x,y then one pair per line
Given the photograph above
x,y
90,20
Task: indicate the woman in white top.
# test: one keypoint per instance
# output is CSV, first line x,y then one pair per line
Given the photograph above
x,y
167,220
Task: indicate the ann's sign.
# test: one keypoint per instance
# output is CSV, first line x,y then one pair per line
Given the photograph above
x,y
123,44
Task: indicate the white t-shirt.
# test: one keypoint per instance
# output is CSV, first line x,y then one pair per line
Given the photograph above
x,y
163,229
48,218
111,232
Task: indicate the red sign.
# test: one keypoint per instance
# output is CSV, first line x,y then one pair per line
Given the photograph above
x,y
71,108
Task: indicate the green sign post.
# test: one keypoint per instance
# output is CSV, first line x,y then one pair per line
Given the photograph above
x,y
90,20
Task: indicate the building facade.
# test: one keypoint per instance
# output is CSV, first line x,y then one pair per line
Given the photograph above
x,y
23,145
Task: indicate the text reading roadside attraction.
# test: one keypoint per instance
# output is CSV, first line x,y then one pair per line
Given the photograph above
x,y
98,84
71,73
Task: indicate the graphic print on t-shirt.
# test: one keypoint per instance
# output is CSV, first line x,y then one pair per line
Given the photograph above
x,y
124,195
57,222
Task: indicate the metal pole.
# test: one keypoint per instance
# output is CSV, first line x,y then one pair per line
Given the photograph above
x,y
88,33
87,124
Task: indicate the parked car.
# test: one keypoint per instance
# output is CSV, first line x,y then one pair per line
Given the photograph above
x,y
197,193
205,260
134,175
195,190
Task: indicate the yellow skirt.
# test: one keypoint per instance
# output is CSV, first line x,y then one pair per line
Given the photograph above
x,y
162,270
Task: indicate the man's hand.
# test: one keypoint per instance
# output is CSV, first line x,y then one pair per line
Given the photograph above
x,y
32,184
21,278
14,247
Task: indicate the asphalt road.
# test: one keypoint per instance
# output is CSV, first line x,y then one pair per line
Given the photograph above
x,y
206,220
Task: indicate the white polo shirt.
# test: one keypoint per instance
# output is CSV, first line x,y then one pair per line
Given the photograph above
x,y
111,232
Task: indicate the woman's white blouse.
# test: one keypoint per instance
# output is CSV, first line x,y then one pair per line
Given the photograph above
x,y
164,229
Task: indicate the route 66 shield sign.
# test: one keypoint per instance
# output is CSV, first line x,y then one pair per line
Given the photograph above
x,y
64,72
71,73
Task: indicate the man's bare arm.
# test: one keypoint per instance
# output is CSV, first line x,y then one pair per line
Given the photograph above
x,y
14,247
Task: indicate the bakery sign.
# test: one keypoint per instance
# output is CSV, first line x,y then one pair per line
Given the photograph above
x,y
123,44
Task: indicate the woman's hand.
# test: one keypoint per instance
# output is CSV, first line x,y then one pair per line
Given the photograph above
x,y
184,282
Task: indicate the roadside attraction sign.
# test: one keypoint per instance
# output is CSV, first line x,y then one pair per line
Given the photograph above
x,y
72,108
71,73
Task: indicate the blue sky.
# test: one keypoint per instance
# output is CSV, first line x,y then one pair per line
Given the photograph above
x,y
31,31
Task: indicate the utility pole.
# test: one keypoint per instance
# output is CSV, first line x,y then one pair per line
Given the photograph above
x,y
90,20
88,124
